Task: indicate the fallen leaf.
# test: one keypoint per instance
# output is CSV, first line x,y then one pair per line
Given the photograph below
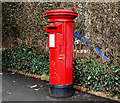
x,y
115,97
37,89
9,93
41,86
84,89
47,78
13,72
43,77
99,93
33,86
1,73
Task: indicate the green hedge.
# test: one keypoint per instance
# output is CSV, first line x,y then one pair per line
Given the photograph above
x,y
23,58
97,78
89,74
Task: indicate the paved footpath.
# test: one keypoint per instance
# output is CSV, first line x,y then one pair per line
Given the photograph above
x,y
16,87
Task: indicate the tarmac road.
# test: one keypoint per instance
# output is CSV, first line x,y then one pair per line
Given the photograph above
x,y
16,87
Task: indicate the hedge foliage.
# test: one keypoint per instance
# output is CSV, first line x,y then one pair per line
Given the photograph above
x,y
23,58
97,78
89,74
98,22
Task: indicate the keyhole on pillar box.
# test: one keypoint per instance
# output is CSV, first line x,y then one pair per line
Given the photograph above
x,y
61,51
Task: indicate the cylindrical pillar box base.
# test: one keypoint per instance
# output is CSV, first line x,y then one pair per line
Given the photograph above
x,y
61,90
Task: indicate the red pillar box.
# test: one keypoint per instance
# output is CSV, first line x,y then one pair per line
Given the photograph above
x,y
60,42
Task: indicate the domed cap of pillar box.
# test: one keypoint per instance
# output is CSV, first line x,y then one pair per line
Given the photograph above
x,y
61,15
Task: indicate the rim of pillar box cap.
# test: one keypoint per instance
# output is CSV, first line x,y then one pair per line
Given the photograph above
x,y
61,12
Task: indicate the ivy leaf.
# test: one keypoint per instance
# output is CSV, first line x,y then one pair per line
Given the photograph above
x,y
89,77
117,70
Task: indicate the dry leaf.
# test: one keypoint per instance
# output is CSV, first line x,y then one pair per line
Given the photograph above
x,y
37,89
33,86
41,86
13,72
8,92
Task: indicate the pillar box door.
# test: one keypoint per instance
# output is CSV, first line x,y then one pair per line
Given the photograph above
x,y
60,42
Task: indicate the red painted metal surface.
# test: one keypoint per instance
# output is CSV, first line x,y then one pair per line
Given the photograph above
x,y
60,42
